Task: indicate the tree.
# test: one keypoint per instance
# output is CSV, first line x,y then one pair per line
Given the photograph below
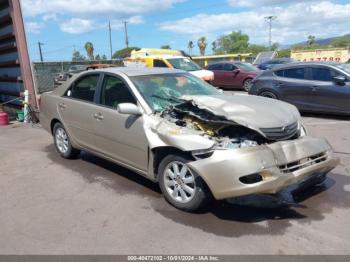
x,y
236,42
311,40
256,49
190,46
283,53
97,57
77,57
89,47
214,46
275,46
342,41
125,52
165,47
202,45
104,57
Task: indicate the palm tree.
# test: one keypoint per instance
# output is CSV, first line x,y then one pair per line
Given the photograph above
x,y
89,47
202,44
190,47
311,40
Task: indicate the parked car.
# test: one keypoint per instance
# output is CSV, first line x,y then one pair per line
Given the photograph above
x,y
233,74
182,133
312,86
269,64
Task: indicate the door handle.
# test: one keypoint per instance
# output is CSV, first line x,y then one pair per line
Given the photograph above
x,y
314,88
62,105
98,116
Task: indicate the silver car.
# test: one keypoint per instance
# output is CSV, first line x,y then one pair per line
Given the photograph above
x,y
184,134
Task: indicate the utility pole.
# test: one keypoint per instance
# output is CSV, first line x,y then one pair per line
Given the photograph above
x,y
41,53
126,34
110,38
269,20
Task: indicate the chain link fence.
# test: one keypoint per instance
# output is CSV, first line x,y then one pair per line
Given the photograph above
x,y
46,72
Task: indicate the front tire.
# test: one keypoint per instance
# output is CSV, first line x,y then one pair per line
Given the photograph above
x,y
181,187
247,84
62,142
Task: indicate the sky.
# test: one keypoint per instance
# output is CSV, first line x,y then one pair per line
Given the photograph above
x,y
66,25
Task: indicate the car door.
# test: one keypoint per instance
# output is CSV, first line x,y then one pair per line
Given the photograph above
x,y
231,75
217,69
293,86
119,136
329,96
77,107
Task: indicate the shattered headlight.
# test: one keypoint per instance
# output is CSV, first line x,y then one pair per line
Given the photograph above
x,y
235,144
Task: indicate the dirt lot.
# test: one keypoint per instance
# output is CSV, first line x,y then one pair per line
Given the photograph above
x,y
89,206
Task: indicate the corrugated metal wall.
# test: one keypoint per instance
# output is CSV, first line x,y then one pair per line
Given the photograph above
x,y
15,72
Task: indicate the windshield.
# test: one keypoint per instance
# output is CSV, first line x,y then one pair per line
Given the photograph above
x,y
185,64
248,67
162,91
344,67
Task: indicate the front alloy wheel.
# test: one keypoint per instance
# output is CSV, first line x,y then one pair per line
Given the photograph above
x,y
181,187
247,84
179,182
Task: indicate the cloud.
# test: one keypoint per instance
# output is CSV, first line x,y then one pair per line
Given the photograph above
x,y
49,17
34,27
134,20
77,26
262,3
95,7
293,24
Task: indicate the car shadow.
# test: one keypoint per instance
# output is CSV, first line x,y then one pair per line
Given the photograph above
x,y
221,217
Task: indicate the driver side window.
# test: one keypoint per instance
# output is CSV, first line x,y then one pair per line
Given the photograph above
x,y
114,92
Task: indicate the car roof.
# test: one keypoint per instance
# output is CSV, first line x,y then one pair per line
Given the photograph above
x,y
138,71
229,62
299,64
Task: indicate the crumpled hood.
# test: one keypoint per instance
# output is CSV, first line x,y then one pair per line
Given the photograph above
x,y
252,111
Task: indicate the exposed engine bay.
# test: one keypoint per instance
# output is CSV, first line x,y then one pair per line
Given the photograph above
x,y
226,133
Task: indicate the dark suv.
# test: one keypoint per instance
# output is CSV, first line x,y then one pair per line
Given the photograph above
x,y
312,86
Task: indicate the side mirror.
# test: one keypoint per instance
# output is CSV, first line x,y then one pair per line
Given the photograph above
x,y
236,71
339,80
129,109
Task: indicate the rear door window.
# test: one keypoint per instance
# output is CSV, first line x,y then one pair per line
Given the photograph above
x,y
296,73
84,88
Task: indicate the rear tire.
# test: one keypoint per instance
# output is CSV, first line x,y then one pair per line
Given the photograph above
x,y
268,94
181,187
62,142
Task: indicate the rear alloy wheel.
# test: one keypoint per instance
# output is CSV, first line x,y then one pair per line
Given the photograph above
x,y
247,84
180,185
62,142
268,94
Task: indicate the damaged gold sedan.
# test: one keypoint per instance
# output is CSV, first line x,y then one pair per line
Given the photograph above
x,y
181,132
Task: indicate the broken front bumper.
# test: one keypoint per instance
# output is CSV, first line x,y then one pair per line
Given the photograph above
x,y
266,168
